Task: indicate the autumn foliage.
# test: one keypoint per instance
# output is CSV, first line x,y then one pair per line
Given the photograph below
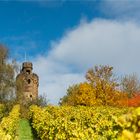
x,y
131,102
80,94
100,89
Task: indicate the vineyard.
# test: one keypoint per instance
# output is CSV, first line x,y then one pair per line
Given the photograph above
x,y
72,123
76,122
9,124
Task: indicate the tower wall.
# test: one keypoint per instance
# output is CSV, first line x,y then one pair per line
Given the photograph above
x,y
27,83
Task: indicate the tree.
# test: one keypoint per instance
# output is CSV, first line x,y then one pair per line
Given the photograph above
x,y
103,81
3,54
130,84
79,94
101,89
7,81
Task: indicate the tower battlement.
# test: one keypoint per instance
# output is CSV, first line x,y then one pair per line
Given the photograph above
x,y
27,65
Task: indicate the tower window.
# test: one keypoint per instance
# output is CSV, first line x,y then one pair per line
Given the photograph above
x,y
29,81
28,71
30,97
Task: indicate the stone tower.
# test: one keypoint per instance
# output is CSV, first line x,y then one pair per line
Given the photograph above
x,y
27,83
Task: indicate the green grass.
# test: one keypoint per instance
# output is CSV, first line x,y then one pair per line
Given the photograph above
x,y
25,131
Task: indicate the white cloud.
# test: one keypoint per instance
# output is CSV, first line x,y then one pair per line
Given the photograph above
x,y
54,78
123,9
97,42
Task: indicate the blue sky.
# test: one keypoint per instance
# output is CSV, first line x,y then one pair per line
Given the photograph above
x,y
64,38
31,26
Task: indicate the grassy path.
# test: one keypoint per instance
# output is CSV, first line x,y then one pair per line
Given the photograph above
x,y
25,131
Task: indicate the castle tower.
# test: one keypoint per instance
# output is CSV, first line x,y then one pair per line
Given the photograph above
x,y
27,83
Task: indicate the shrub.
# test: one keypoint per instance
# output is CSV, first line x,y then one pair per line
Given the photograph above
x,y
130,125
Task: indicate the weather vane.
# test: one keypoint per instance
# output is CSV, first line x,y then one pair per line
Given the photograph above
x,y
25,57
